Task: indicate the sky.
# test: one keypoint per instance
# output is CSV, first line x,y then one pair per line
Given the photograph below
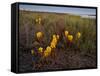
x,y
75,10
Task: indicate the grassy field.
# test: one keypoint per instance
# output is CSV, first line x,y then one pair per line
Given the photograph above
x,y
68,54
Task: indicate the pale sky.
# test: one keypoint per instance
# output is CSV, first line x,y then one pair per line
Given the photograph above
x,y
58,9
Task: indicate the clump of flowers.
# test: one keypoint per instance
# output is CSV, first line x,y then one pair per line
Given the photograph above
x,y
41,53
68,36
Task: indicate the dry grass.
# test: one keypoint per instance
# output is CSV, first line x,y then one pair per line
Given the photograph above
x,y
82,51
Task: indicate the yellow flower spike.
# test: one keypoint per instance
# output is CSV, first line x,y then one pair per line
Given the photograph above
x,y
48,49
54,36
54,40
39,34
78,35
40,49
40,19
36,20
39,22
66,33
57,36
70,38
32,52
53,45
47,52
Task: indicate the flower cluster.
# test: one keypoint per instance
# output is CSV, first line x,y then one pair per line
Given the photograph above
x,y
38,20
53,44
70,37
45,52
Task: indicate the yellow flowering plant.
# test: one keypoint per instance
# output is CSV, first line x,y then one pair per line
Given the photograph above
x,y
40,49
70,37
54,41
53,45
39,35
32,52
47,52
66,33
38,20
57,36
78,35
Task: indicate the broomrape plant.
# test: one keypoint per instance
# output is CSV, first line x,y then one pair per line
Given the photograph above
x,y
39,35
53,42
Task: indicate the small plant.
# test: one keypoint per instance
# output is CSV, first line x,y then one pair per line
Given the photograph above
x,y
39,35
47,52
38,20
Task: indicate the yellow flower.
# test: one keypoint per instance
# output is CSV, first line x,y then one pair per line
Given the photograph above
x,y
66,33
40,19
47,52
32,52
54,36
39,22
78,35
70,37
57,36
36,20
48,49
40,49
39,34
